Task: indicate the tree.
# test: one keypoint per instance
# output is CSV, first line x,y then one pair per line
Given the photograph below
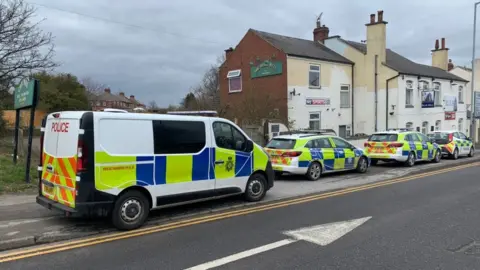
x,y
61,92
152,105
92,86
189,102
24,48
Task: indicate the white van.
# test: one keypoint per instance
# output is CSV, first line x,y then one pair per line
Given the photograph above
x,y
125,164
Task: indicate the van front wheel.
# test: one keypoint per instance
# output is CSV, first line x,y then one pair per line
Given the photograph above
x,y
130,211
256,188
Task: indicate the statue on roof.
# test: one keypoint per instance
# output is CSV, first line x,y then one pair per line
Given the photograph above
x,y
319,18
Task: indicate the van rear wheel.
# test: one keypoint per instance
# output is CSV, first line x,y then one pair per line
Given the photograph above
x,y
256,188
130,211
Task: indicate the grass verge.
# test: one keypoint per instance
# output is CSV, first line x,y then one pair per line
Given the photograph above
x,y
12,177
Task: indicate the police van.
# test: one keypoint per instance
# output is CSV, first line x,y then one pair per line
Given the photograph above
x,y
126,164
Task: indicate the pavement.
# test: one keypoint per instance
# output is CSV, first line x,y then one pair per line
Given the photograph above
x,y
428,222
24,223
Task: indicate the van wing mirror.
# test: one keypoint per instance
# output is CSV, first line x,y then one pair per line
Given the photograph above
x,y
249,146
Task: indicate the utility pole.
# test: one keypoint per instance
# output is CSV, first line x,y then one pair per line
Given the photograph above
x,y
473,120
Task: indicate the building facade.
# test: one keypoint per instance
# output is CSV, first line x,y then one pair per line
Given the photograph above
x,y
109,100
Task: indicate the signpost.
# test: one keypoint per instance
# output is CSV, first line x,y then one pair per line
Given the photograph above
x,y
25,96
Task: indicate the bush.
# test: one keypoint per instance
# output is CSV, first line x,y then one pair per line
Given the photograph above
x,y
3,124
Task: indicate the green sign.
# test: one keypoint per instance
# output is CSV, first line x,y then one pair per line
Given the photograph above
x,y
266,68
24,94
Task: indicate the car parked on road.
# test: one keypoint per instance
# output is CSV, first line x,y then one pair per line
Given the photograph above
x,y
453,143
313,155
403,146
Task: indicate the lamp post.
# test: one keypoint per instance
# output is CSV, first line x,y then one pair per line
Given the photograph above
x,y
472,102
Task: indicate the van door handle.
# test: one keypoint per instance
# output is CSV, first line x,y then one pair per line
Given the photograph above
x,y
219,161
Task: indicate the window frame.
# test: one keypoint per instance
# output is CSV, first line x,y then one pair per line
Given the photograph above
x,y
438,124
235,74
326,139
319,120
318,72
425,126
409,92
232,134
460,94
460,125
437,94
349,145
343,91
409,126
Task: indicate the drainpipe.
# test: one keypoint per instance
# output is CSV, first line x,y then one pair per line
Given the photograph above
x,y
353,100
386,103
376,94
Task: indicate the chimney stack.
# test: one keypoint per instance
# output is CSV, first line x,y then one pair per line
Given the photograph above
x,y
450,65
440,55
380,16
228,52
132,97
377,38
107,90
122,94
372,18
320,33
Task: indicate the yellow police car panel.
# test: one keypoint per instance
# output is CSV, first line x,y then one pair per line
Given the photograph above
x,y
402,146
312,155
125,164
454,143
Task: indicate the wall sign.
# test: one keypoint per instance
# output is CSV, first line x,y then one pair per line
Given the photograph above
x,y
450,115
450,103
477,104
266,68
428,100
317,101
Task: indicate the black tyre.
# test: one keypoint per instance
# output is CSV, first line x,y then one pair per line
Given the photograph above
x,y
437,157
472,152
130,211
256,188
455,154
362,165
314,171
373,162
410,162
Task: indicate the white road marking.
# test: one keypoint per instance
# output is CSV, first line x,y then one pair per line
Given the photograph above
x,y
11,233
13,223
321,235
241,255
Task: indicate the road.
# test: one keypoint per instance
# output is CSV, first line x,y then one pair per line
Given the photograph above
x,y
427,222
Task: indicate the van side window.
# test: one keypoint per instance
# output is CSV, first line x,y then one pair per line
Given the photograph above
x,y
178,137
228,137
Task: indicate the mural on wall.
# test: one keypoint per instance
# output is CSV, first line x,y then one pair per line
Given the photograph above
x,y
317,101
266,68
451,104
428,100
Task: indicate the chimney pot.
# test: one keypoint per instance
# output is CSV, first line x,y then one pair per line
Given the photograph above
x,y
122,94
107,90
436,45
372,18
132,97
443,43
320,34
380,15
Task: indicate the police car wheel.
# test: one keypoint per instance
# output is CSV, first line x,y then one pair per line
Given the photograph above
x,y
437,157
314,171
130,211
472,152
455,154
255,190
410,160
362,165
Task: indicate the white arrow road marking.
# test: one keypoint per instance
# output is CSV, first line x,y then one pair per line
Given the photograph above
x,y
321,235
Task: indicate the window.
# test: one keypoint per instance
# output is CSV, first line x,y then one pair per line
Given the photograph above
x,y
423,85
178,137
98,103
415,137
323,143
409,125
339,143
311,144
437,92
423,137
314,76
460,94
438,125
228,137
425,127
460,135
139,140
104,104
314,123
460,124
345,96
409,94
234,81
281,144
379,137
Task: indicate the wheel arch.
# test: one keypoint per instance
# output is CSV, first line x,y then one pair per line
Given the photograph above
x,y
141,189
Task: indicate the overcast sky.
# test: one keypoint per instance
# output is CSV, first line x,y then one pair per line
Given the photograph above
x,y
158,49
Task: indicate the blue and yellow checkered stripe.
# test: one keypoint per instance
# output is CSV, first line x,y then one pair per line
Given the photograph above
x,y
463,143
335,159
124,171
422,150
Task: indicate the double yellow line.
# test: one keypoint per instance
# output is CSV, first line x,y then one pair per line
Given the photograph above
x,y
42,250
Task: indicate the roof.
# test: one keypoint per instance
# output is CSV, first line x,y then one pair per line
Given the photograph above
x,y
405,66
302,47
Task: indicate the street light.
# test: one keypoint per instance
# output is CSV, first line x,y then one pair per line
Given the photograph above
x,y
472,102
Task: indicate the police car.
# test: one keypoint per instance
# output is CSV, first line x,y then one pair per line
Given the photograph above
x,y
453,143
402,145
313,154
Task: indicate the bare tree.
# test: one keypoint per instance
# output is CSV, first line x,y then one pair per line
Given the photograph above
x,y
152,105
24,47
92,86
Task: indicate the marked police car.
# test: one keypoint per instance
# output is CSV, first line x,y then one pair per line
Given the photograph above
x,y
313,155
453,143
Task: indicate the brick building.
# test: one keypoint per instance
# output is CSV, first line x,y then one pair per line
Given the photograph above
x,y
109,100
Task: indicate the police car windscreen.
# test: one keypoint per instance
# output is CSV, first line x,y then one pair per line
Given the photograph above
x,y
440,137
281,144
383,138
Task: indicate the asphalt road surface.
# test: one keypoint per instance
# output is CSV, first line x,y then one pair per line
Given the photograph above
x,y
426,223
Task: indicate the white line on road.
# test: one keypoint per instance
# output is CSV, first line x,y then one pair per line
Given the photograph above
x,y
241,255
12,233
13,223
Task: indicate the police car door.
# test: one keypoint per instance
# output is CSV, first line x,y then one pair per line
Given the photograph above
x,y
344,154
462,143
232,164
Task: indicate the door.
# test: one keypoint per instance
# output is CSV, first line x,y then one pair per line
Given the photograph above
x,y
233,165
342,131
344,154
322,150
462,143
420,148
427,147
